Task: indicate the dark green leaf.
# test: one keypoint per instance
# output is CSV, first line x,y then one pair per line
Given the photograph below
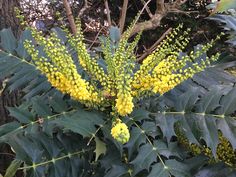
x,y
21,51
24,116
136,139
158,170
114,34
146,156
216,170
228,127
228,103
82,122
117,171
166,123
8,40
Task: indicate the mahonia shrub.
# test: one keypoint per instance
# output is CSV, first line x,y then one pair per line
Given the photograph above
x,y
121,82
108,115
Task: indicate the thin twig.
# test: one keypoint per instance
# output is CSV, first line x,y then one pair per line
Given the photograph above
x,y
147,9
70,17
95,39
108,13
153,47
92,41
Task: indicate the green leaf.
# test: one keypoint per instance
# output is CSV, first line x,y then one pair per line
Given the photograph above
x,y
197,127
225,5
228,127
100,148
81,122
216,170
177,168
21,51
41,108
8,40
140,114
166,124
151,129
117,171
7,129
158,170
114,33
136,139
166,150
228,23
146,156
228,103
12,169
210,101
24,116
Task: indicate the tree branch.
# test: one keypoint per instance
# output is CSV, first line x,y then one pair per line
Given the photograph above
x,y
83,8
147,9
123,15
147,25
153,47
108,13
162,10
70,16
160,6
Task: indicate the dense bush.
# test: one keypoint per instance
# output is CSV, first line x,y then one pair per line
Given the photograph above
x,y
105,114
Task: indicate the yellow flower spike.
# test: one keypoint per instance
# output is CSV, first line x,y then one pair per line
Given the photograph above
x,y
61,70
124,104
120,132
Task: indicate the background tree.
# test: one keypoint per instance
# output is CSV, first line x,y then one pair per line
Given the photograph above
x,y
7,20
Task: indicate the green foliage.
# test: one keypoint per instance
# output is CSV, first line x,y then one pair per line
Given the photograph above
x,y
228,23
54,135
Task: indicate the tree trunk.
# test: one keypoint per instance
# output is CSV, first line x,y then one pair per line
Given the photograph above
x,y
8,17
7,20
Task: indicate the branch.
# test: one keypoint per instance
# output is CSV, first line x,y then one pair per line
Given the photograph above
x,y
162,10
84,8
108,13
160,6
153,23
153,47
70,16
147,9
123,15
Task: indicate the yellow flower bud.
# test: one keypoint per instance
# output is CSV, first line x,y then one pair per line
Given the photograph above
x,y
120,132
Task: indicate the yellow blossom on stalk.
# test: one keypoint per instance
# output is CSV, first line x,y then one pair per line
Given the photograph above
x,y
120,132
124,103
60,69
120,81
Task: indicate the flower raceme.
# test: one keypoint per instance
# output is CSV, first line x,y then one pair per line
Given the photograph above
x,y
122,81
120,132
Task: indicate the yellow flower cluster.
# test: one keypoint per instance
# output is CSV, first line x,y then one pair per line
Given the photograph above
x,y
121,81
224,151
89,64
170,71
124,103
120,132
60,69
